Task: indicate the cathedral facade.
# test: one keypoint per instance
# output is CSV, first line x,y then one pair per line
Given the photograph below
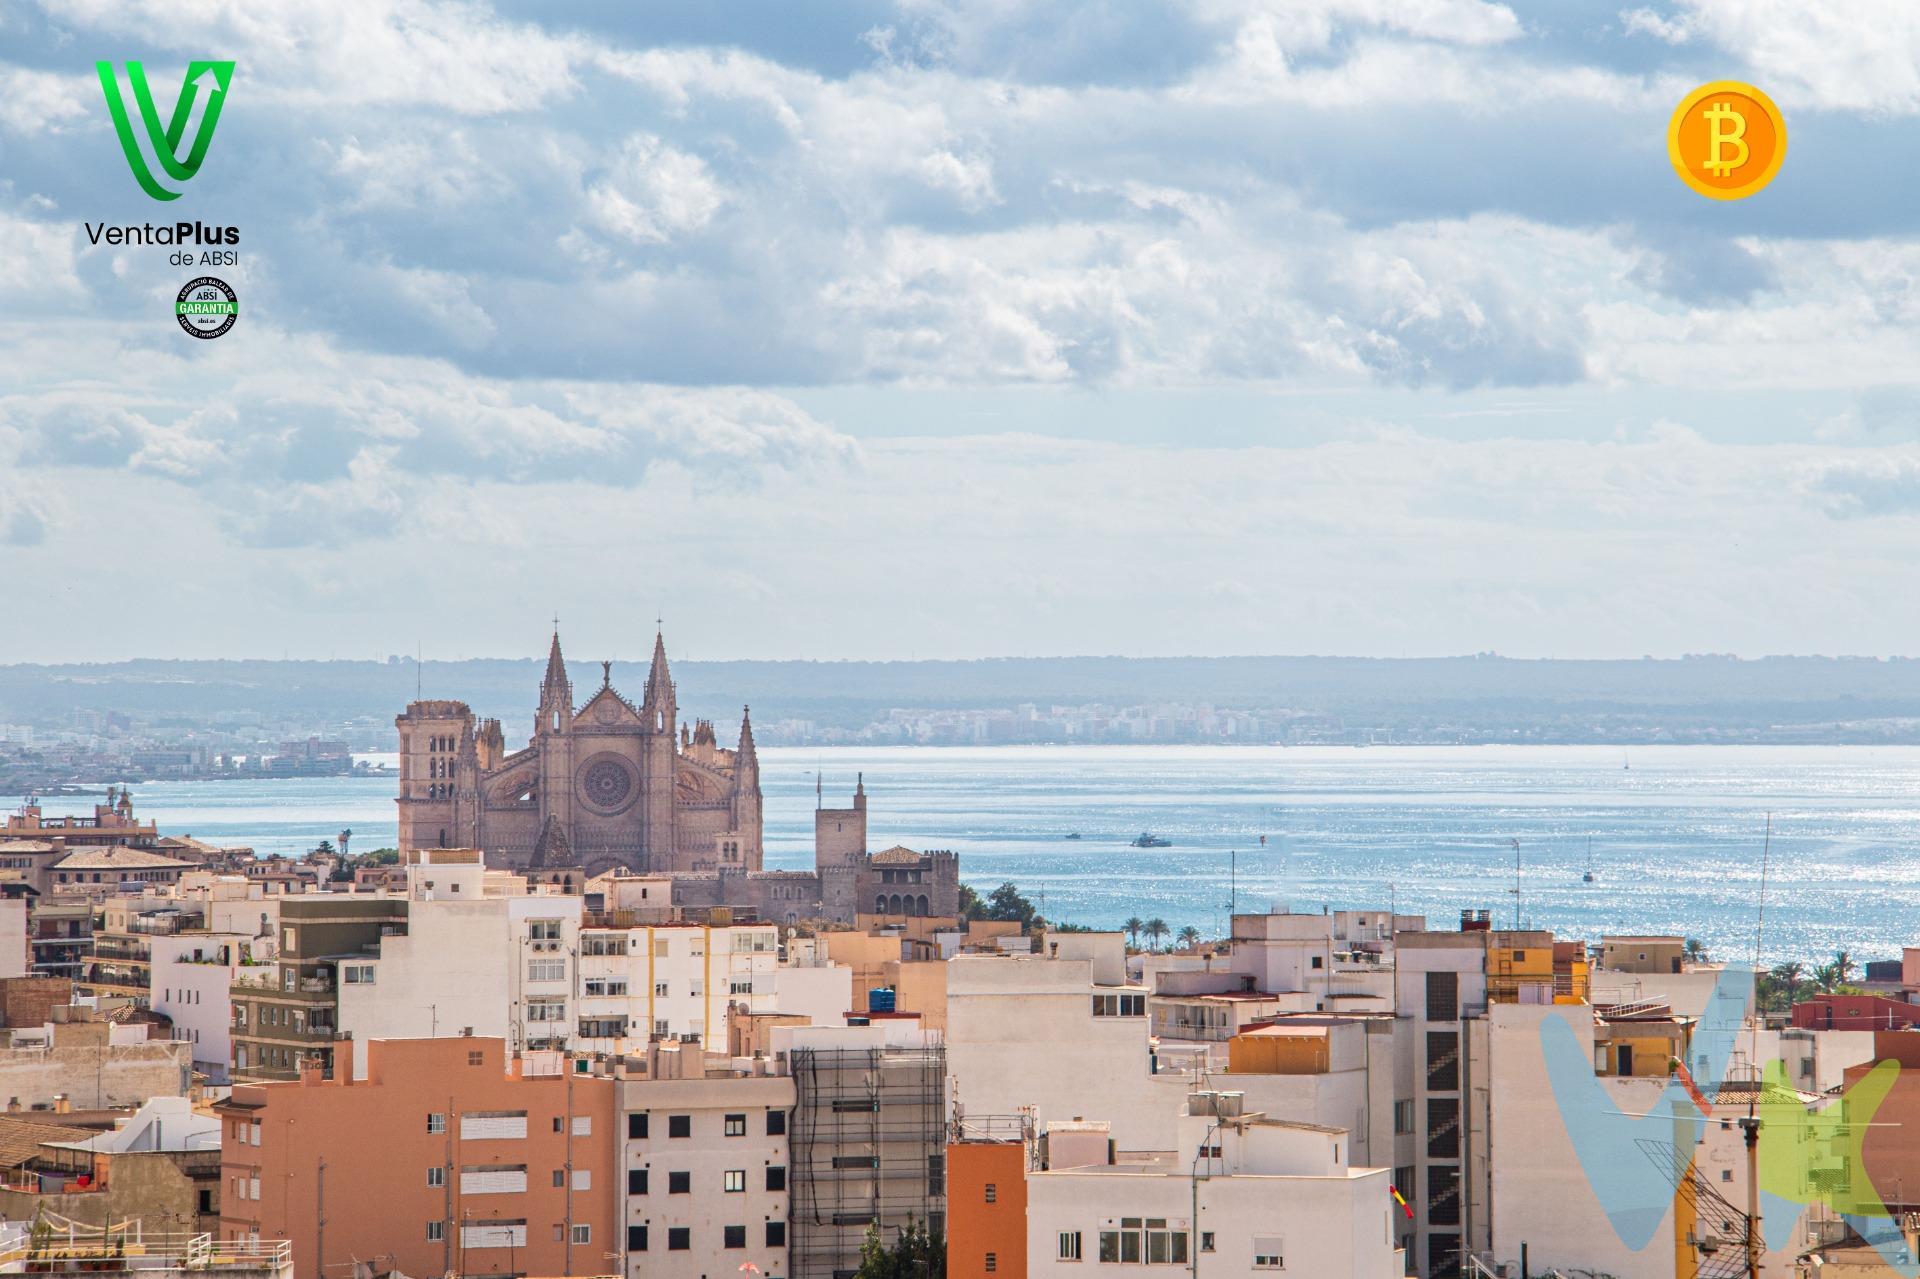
x,y
615,785
608,784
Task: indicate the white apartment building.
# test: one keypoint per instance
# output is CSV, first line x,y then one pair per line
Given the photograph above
x,y
705,1164
1238,1195
482,954
1547,1193
672,979
1033,1031
191,979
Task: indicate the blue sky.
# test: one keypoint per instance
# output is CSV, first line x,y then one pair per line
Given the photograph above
x,y
929,329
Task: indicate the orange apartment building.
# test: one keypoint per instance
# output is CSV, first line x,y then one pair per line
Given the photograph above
x,y
987,1202
447,1159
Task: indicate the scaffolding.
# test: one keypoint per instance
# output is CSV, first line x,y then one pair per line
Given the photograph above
x,y
868,1148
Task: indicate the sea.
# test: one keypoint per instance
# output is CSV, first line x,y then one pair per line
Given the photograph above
x,y
1780,852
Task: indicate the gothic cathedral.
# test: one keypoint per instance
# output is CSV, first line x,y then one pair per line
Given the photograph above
x,y
610,784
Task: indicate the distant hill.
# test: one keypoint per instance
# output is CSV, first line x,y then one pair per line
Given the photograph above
x,y
1710,692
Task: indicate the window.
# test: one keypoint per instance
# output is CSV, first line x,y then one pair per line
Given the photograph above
x,y
679,1239
740,986
636,1127
636,1181
636,1238
436,1122
660,989
1318,962
548,970
1206,1241
546,1010
559,1178
1443,996
856,1105
736,1126
734,1181
1120,1005
436,1231
1726,1174
776,1234
776,1123
476,1058
356,974
936,1174
993,1193
679,1125
543,929
583,1234
679,1183
1069,1245
733,1237
1402,1117
856,1161
583,1125
993,1262
776,1178
436,1176
1165,1247
1268,1252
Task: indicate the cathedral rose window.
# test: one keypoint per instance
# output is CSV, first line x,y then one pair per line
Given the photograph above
x,y
606,783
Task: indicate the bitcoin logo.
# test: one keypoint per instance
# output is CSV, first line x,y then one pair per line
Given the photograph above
x,y
1726,140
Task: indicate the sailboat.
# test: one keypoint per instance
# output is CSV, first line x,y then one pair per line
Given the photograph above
x,y
1588,877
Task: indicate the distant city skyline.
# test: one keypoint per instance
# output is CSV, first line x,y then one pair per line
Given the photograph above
x,y
910,329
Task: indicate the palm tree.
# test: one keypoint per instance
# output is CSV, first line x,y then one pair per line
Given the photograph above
x,y
1790,975
1696,953
1827,976
1134,925
1843,967
1156,931
1189,938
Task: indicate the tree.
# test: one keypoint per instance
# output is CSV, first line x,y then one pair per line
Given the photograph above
x,y
1134,925
324,846
1826,977
971,907
1005,903
1695,952
916,1254
1189,937
1843,967
1156,931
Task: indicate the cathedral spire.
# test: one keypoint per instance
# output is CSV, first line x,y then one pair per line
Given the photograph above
x,y
556,693
746,754
660,703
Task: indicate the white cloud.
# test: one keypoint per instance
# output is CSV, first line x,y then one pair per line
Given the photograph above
x,y
653,193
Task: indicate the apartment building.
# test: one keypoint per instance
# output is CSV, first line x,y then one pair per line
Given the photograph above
x,y
1029,1031
1445,982
118,963
987,1159
705,1167
286,1012
450,1157
480,953
190,980
867,1140
671,979
1240,1193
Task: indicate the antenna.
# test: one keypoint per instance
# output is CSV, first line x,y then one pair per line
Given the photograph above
x,y
1516,884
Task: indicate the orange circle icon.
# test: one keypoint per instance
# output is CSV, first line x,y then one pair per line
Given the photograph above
x,y
1726,140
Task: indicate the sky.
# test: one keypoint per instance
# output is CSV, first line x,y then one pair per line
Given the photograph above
x,y
908,328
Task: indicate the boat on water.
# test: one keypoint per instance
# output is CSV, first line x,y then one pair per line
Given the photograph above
x,y
1588,877
1074,835
1147,839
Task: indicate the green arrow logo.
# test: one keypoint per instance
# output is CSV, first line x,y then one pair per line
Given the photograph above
x,y
212,77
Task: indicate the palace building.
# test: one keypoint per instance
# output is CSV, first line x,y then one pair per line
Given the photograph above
x,y
615,785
